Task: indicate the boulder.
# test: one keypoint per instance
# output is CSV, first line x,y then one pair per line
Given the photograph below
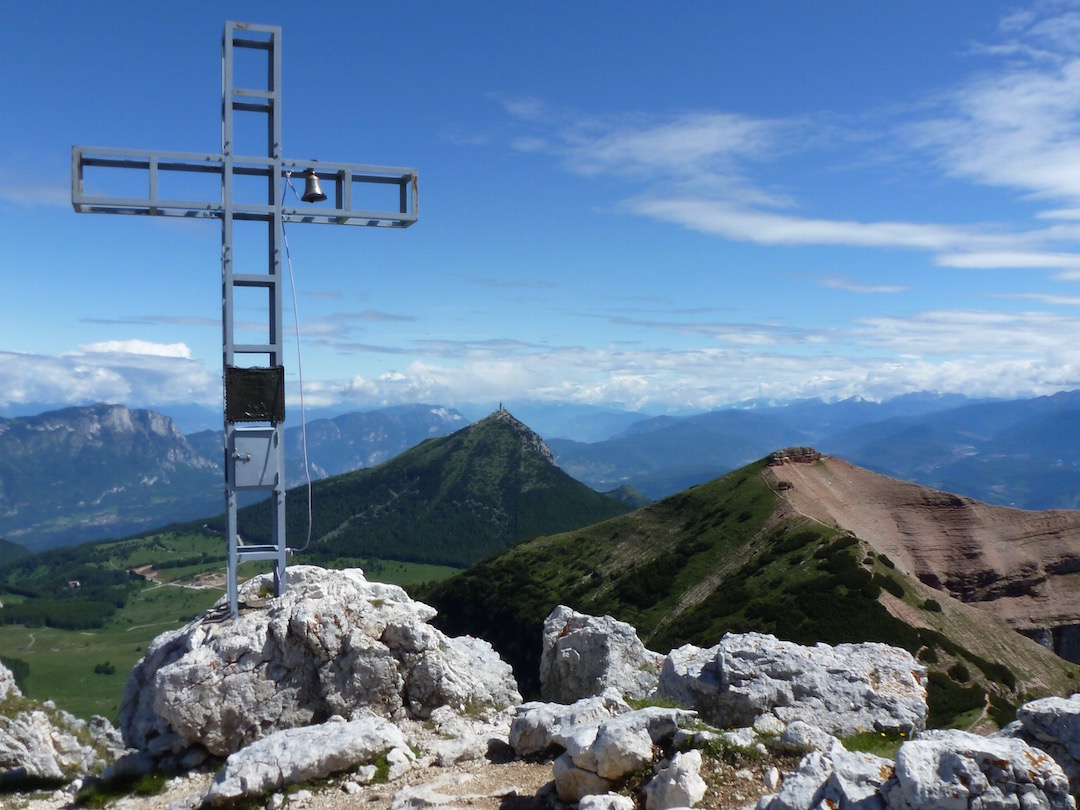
x,y
302,754
841,689
583,655
833,778
1053,720
40,743
677,783
956,770
7,683
573,783
606,801
448,737
619,746
537,727
800,735
333,644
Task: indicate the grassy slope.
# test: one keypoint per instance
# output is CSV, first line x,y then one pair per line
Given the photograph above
x,y
721,557
450,501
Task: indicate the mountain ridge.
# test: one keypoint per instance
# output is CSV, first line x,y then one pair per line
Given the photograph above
x,y
450,500
735,555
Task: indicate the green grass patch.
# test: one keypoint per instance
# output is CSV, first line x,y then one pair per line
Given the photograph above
x,y
951,705
880,743
100,793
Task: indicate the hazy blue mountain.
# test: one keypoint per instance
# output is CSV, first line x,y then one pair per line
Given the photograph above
x,y
668,454
1017,453
350,441
1020,453
99,471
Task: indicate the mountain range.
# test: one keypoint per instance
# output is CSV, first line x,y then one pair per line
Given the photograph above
x,y
806,547
100,471
1021,453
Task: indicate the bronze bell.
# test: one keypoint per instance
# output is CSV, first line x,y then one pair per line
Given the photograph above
x,y
312,192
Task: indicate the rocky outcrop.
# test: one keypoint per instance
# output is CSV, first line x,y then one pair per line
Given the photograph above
x,y
841,689
334,644
947,769
411,698
772,689
793,455
599,751
304,754
40,743
584,655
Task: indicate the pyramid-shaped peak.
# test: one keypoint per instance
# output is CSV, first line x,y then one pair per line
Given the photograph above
x,y
530,439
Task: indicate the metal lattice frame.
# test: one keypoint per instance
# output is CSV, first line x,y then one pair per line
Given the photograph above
x,y
254,453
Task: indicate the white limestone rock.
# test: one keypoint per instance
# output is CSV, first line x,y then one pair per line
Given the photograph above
x,y
1053,720
606,801
537,726
839,689
583,655
573,783
300,754
625,743
807,737
7,683
333,644
955,770
838,778
676,784
448,737
41,742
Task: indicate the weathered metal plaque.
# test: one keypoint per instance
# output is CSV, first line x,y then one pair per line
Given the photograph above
x,y
255,394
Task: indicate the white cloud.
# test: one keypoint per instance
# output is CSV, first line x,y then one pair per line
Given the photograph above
x,y
838,283
130,372
731,221
976,352
136,347
1014,259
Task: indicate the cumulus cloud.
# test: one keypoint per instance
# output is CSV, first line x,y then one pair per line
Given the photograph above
x,y
111,371
977,352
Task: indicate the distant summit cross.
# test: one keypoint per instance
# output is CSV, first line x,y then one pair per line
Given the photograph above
x,y
254,396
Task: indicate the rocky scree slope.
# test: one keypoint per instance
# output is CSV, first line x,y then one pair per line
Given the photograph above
x,y
1022,566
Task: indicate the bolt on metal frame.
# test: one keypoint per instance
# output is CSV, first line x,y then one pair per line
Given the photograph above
x,y
264,444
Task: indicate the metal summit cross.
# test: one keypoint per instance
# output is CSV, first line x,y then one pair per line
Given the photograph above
x,y
254,395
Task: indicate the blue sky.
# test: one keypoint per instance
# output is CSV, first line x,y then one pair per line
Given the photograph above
x,y
655,206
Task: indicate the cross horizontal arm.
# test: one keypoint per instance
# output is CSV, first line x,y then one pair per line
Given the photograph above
x,y
153,165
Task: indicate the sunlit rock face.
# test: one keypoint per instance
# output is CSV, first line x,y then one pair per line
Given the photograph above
x,y
333,644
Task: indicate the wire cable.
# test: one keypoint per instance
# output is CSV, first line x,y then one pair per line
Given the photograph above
x,y
299,365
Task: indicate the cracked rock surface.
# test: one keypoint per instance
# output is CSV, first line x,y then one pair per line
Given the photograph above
x,y
333,644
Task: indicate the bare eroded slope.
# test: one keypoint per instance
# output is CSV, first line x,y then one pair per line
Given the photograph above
x,y
1024,566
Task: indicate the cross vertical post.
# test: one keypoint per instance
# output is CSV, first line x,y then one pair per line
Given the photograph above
x,y
253,395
